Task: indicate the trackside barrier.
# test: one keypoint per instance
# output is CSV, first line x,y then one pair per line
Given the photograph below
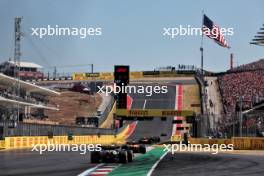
x,y
2,144
108,76
248,143
133,75
29,141
240,143
257,144
103,76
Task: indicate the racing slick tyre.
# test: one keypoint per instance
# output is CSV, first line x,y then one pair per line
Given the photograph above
x,y
130,155
142,149
125,147
123,157
95,157
108,157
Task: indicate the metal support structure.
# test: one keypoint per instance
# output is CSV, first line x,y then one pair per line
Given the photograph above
x,y
17,52
202,64
240,116
17,55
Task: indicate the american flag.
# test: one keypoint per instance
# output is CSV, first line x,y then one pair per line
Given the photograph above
x,y
212,31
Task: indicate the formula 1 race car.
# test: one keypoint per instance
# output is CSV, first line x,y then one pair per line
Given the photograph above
x,y
135,147
112,154
149,140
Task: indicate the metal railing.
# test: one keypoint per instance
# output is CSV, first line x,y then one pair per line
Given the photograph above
x,y
28,129
235,125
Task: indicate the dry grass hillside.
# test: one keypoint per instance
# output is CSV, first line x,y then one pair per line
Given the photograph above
x,y
71,105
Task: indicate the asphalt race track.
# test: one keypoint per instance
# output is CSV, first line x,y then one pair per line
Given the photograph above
x,y
207,164
28,163
156,126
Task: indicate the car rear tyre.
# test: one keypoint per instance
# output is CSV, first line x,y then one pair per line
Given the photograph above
x,y
123,157
95,157
125,147
142,149
130,155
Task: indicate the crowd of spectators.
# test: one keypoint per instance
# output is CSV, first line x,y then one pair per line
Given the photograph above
x,y
241,88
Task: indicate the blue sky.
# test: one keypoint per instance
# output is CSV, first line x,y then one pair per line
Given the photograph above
x,y
132,32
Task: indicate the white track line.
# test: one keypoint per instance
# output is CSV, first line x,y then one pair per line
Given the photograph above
x,y
144,106
155,165
100,173
88,171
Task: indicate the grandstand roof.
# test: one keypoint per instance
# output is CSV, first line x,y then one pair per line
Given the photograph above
x,y
26,86
9,102
257,65
25,64
259,38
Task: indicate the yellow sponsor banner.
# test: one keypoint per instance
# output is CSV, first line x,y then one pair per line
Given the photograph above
x,y
107,78
29,141
24,141
132,75
225,141
107,74
41,140
153,112
2,144
94,75
18,142
257,144
136,75
103,76
242,143
78,76
76,139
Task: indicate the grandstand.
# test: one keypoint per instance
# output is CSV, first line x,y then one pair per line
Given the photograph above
x,y
246,82
29,103
239,112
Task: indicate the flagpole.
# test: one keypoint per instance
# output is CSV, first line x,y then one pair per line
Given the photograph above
x,y
204,124
201,47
